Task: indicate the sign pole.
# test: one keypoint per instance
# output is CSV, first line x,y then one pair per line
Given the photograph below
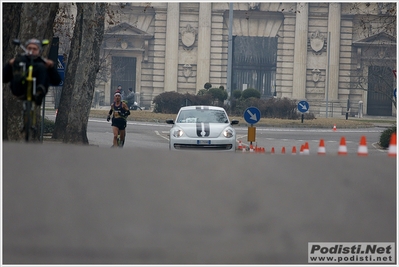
x,y
42,120
251,116
230,50
254,136
328,71
303,106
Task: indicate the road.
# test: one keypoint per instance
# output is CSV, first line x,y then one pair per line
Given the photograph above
x,y
155,135
67,204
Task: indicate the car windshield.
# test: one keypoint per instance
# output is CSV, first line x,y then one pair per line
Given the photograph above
x,y
202,115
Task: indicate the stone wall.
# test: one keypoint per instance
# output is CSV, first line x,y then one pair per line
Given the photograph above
x,y
189,47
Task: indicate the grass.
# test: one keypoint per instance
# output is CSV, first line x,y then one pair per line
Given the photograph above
x,y
148,116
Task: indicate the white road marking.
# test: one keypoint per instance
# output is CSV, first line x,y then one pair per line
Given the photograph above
x,y
164,137
316,130
376,146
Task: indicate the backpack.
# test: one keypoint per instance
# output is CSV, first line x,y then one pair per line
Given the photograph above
x,y
19,71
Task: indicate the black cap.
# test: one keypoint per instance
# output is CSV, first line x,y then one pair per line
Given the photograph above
x,y
34,41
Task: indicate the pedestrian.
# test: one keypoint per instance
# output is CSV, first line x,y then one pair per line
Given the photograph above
x,y
44,70
130,98
119,111
121,91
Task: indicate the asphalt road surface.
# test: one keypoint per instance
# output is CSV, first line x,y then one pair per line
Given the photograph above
x,y
67,204
156,136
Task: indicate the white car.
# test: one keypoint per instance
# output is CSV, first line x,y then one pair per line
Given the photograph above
x,y
202,127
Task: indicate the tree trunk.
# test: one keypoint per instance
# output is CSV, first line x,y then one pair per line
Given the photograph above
x,y
11,19
80,75
22,21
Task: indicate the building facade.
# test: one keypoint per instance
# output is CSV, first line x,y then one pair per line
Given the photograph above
x,y
336,56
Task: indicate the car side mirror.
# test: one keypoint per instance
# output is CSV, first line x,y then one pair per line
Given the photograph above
x,y
234,122
169,121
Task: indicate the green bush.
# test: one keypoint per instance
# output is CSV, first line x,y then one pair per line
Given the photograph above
x,y
49,125
199,99
250,92
219,94
202,92
237,94
171,102
385,136
207,86
282,108
167,102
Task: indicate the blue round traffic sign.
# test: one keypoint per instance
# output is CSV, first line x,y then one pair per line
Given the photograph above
x,y
303,106
252,115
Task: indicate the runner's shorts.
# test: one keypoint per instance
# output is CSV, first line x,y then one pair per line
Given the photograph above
x,y
119,122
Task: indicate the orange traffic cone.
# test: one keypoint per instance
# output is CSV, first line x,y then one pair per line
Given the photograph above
x,y
272,151
251,148
293,150
321,150
335,127
362,150
262,150
392,146
306,148
239,145
283,150
342,150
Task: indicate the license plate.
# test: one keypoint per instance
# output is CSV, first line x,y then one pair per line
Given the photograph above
x,y
203,142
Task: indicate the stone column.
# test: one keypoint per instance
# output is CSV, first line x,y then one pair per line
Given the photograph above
x,y
300,52
172,47
334,27
204,44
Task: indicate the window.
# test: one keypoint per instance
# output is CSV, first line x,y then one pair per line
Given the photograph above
x,y
206,116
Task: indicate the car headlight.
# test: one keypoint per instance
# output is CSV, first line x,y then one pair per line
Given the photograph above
x,y
228,133
178,133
